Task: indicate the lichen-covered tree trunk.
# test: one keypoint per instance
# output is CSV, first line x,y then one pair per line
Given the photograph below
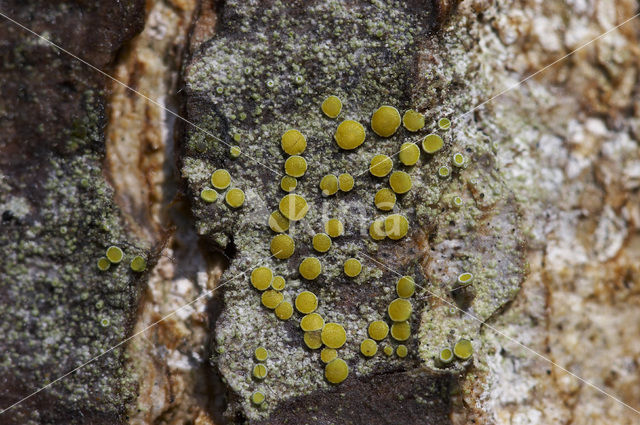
x,y
543,212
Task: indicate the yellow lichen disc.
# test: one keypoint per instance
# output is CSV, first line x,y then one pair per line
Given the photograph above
x,y
138,264
295,166
114,254
399,310
328,354
402,351
388,350
334,228
257,398
306,302
409,153
259,371
282,246
310,268
294,207
336,371
432,143
346,182
349,134
463,349
401,331
234,152
220,179
352,267
378,330
376,230
405,287
284,310
400,182
396,226
321,242
329,185
385,121
234,198
313,340
446,355
385,199
261,354
380,165
261,278
293,142
104,263
288,183
278,283
208,195
312,322
413,120
368,347
278,223
332,106
271,299
333,335
444,123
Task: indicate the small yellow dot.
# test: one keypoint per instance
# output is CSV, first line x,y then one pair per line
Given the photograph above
x,y
282,246
261,354
278,223
259,371
352,267
376,230
399,310
313,340
444,123
380,165
405,287
349,134
385,199
401,331
306,302
257,398
234,198
208,195
463,349
336,371
284,310
444,171
310,268
400,182
288,183
220,179
346,182
328,354
114,254
104,263
432,143
321,242
368,347
271,299
465,278
446,355
312,322
409,153
234,152
396,226
402,351
385,121
261,278
458,160
378,330
413,120
334,228
332,106
278,283
294,207
293,142
138,264
295,166
329,185
333,335
388,350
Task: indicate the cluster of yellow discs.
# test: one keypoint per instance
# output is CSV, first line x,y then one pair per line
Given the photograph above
x,y
221,180
115,255
462,350
262,279
399,311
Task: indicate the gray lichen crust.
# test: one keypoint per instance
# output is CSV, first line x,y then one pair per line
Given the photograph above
x,y
269,70
57,308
